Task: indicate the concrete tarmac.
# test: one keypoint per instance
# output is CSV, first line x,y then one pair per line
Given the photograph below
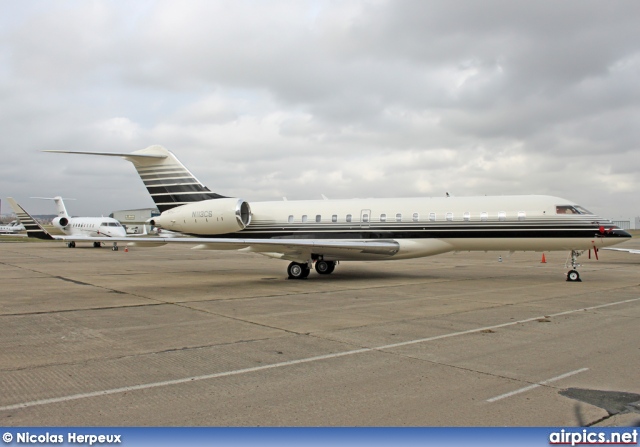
x,y
176,337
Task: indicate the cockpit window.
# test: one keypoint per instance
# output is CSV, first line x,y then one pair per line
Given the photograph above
x,y
582,210
571,209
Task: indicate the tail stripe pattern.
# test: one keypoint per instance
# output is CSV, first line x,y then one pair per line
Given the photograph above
x,y
171,184
33,228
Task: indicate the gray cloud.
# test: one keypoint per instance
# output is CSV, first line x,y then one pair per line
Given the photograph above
x,y
348,99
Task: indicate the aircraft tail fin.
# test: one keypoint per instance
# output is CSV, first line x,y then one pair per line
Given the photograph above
x,y
62,210
168,181
34,229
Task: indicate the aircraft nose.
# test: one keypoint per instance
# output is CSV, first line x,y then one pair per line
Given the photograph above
x,y
619,232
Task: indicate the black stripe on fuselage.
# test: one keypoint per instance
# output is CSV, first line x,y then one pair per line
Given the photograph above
x,y
531,232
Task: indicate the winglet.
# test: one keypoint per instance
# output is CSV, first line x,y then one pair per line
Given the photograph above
x,y
34,229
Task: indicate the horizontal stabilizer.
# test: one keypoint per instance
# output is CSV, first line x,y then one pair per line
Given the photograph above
x,y
128,156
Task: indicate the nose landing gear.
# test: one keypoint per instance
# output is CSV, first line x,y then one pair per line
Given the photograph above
x,y
573,275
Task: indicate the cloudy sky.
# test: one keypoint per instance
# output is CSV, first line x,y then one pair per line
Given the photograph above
x,y
265,99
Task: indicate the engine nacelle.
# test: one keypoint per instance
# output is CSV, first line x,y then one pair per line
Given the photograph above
x,y
60,222
214,216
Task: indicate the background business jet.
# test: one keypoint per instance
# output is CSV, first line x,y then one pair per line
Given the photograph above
x,y
323,232
12,228
94,229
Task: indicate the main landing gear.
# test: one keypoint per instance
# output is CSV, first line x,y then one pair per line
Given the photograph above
x,y
72,244
573,275
297,270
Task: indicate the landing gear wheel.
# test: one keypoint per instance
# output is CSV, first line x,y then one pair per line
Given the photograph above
x,y
71,244
114,248
96,245
573,276
298,271
325,267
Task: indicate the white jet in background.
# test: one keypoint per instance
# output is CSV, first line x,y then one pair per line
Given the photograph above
x,y
12,228
84,227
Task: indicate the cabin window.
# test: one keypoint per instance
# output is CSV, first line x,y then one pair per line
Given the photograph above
x,y
502,216
449,217
484,216
432,217
399,217
522,215
365,217
466,216
348,217
416,217
318,218
291,219
304,217
383,217
334,218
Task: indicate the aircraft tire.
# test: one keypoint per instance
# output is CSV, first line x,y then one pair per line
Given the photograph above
x,y
325,267
96,245
573,276
298,271
71,244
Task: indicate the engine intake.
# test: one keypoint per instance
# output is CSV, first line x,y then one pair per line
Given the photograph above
x,y
60,222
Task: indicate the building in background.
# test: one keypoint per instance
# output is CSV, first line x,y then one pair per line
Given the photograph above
x,y
630,223
134,220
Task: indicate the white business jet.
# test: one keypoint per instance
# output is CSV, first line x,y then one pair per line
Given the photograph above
x,y
90,229
12,228
323,232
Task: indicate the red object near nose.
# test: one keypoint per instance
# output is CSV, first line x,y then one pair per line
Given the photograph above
x,y
601,229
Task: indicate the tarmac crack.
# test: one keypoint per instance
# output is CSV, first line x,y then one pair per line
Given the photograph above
x,y
130,356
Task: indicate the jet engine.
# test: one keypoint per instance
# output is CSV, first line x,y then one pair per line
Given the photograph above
x,y
60,222
214,216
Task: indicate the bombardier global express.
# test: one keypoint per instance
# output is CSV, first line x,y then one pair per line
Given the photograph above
x,y
324,232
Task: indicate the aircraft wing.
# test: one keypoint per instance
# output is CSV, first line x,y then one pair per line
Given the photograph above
x,y
290,249
628,250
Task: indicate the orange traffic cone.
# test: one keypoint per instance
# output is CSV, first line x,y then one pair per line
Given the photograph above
x,y
544,260
126,250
